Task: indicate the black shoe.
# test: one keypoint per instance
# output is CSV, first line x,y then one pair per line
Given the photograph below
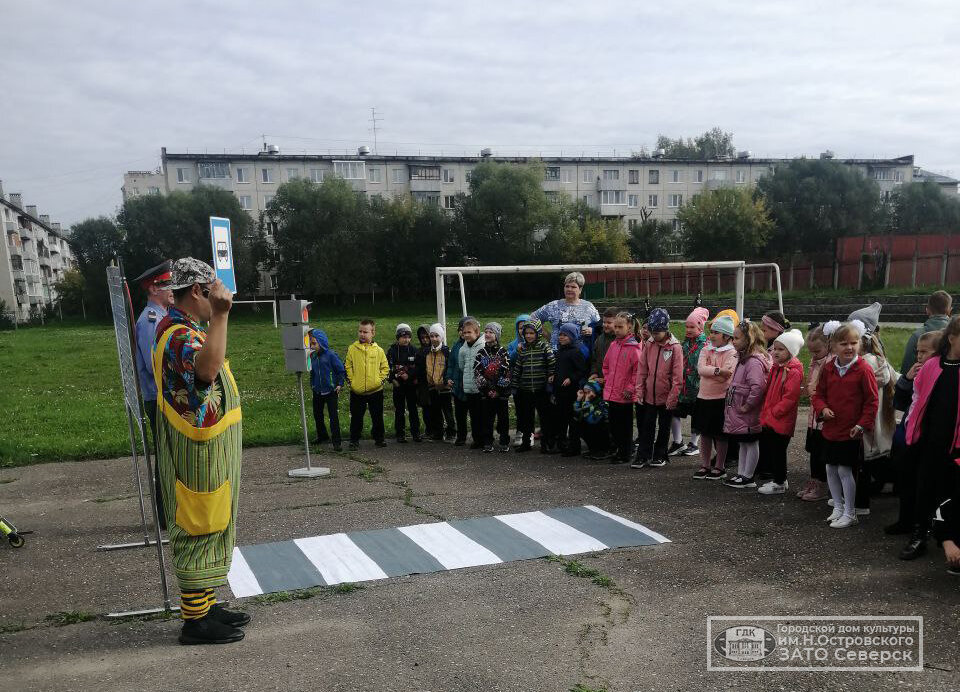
x,y
354,446
915,547
207,630
459,443
488,448
657,463
234,618
476,445
380,443
897,528
525,447
337,448
617,460
417,438
674,448
402,440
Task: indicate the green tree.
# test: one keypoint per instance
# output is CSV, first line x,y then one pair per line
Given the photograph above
x,y
724,224
923,208
815,201
506,215
712,144
71,292
325,238
649,240
159,227
95,243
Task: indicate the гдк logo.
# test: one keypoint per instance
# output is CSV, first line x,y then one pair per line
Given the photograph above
x,y
744,643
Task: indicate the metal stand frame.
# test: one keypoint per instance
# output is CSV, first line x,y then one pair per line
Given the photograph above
x,y
308,471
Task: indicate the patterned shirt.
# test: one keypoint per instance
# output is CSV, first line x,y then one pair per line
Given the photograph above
x,y
199,403
560,312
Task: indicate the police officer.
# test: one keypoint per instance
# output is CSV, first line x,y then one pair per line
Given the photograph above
x,y
155,283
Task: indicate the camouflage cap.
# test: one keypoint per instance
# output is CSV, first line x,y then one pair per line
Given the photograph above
x,y
188,271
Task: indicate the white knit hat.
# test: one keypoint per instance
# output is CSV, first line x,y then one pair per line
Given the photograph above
x,y
792,340
437,328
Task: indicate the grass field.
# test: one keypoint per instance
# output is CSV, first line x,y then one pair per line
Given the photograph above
x,y
61,397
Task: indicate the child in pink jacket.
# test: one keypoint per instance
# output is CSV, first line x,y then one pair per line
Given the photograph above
x,y
620,366
658,389
741,418
717,362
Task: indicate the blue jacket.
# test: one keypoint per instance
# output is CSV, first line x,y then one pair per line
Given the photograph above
x,y
326,368
454,372
512,346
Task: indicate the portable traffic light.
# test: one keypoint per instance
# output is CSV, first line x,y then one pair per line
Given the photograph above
x,y
294,335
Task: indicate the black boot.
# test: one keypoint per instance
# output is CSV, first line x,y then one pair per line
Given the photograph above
x,y
525,446
916,546
234,618
208,630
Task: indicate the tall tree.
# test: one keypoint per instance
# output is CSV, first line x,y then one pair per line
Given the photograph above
x,y
712,144
159,227
95,243
923,208
815,201
724,224
649,240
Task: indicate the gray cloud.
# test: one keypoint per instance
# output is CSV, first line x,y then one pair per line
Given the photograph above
x,y
95,89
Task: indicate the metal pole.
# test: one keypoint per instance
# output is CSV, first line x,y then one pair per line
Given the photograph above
x,y
136,475
741,273
273,304
463,294
441,305
303,419
156,513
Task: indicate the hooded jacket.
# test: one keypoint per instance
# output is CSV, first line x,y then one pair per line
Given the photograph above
x,y
712,386
601,343
660,374
402,359
435,368
534,363
518,339
620,367
691,376
367,368
741,415
571,364
491,371
782,398
326,369
934,323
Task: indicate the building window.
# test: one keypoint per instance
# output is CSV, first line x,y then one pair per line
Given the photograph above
x,y
153,190
266,175
611,174
376,196
243,176
633,200
449,201
652,201
719,174
699,176
588,199
468,175
267,199
427,197
349,170
293,173
375,175
552,196
634,176
653,177
741,176
244,202
213,170
898,176
316,175
566,175
16,262
397,175
677,226
675,201
881,174
613,197
271,228
273,282
448,175
551,173
424,172
588,175
676,176
183,175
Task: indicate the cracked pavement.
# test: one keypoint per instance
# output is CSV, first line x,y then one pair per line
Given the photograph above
x,y
517,626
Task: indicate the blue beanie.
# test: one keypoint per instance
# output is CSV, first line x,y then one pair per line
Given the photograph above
x,y
570,329
659,320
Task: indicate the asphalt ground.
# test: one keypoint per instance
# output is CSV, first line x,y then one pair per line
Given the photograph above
x,y
516,626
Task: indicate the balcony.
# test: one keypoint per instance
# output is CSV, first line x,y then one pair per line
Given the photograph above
x,y
426,185
613,209
604,184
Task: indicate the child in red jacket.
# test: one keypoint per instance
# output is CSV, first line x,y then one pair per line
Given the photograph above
x,y
658,390
778,417
846,401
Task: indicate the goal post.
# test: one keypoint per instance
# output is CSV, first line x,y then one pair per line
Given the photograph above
x,y
737,266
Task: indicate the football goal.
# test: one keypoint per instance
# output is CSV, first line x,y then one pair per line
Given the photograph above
x,y
640,280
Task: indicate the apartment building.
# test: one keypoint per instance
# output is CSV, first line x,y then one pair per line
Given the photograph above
x,y
32,260
622,187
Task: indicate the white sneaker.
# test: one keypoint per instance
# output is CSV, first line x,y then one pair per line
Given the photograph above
x,y
772,488
837,513
843,522
863,512
830,502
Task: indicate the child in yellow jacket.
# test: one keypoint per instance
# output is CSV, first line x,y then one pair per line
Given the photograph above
x,y
367,370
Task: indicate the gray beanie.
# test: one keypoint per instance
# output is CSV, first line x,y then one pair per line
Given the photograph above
x,y
495,328
870,316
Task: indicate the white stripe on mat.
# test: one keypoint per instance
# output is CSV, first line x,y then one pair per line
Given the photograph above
x,y
632,524
451,548
553,535
338,559
241,578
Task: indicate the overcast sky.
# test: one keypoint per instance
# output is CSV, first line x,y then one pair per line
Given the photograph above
x,y
92,89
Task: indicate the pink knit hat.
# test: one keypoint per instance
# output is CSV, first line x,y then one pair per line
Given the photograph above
x,y
698,318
